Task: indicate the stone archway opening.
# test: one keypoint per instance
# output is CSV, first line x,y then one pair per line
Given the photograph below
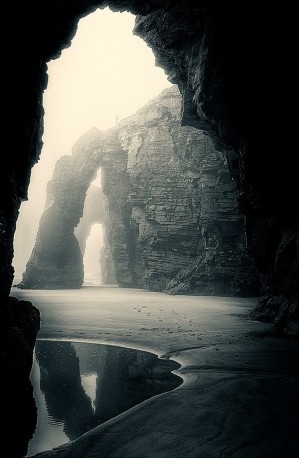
x,y
105,75
90,233
175,224
92,256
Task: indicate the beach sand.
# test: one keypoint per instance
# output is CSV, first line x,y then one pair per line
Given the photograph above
x,y
240,392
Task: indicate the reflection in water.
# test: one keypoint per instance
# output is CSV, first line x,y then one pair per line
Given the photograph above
x,y
78,386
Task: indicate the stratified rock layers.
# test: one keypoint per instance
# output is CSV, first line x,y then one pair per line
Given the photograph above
x,y
172,220
188,231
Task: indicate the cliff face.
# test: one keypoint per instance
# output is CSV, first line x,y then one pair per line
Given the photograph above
x,y
224,59
172,221
187,229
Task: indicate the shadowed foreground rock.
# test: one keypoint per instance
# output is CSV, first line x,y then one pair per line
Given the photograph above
x,y
18,331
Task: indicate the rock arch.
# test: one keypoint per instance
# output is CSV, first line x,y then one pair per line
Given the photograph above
x,y
169,209
235,65
56,260
232,86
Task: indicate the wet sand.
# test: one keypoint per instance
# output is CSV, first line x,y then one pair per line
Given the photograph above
x,y
240,394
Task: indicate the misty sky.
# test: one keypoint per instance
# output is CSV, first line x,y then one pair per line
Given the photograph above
x,y
106,73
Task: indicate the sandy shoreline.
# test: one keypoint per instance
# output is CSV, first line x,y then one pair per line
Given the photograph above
x,y
240,392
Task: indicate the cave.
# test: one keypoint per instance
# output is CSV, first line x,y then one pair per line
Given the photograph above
x,y
234,66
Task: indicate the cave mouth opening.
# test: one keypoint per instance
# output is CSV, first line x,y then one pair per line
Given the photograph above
x,y
107,74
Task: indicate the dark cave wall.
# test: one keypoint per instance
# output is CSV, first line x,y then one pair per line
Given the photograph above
x,y
233,87
224,57
19,326
234,64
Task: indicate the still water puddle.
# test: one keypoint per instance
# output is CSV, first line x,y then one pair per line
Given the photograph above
x,y
78,386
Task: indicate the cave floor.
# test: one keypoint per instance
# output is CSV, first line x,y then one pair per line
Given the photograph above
x,y
240,394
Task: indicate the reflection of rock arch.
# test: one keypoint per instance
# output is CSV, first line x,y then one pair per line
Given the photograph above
x,y
158,225
124,377
66,400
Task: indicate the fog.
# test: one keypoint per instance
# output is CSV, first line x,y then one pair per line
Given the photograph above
x,y
105,75
91,259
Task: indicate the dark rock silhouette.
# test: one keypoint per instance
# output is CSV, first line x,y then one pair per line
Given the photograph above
x,y
18,330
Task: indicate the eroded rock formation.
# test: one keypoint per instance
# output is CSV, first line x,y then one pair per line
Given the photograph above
x,y
235,66
232,88
172,218
187,229
56,260
229,79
